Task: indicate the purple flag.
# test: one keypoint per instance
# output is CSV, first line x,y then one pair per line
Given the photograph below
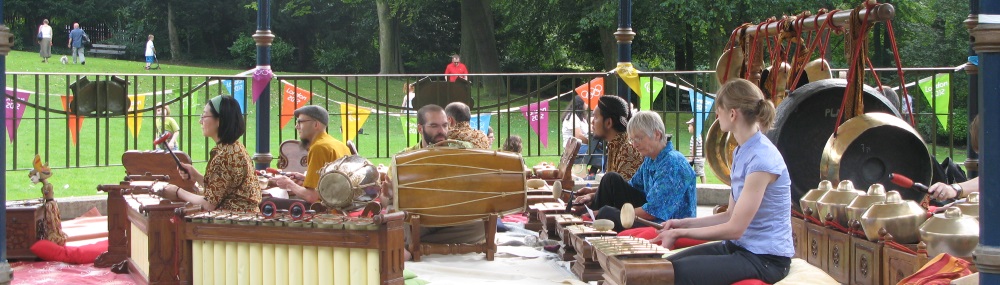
x,y
14,116
537,115
261,77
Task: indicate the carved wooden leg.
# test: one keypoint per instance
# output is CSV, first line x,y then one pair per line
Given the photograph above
x,y
415,237
118,229
491,232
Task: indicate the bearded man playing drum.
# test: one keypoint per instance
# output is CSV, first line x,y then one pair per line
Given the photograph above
x,y
432,123
311,123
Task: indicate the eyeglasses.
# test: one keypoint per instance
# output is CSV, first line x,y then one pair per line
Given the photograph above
x,y
636,139
299,122
206,116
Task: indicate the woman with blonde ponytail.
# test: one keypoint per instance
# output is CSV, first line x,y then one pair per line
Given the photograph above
x,y
756,231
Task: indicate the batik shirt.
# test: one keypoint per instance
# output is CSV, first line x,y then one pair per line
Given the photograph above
x,y
464,132
230,182
622,156
668,182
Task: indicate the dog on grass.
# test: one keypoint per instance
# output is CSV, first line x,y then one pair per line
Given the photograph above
x,y
63,59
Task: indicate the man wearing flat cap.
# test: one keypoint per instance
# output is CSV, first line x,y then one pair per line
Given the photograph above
x,y
311,123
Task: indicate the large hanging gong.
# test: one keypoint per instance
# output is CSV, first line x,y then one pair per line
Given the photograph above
x,y
805,121
719,148
869,147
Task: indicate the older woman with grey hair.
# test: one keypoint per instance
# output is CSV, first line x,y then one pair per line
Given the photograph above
x,y
664,186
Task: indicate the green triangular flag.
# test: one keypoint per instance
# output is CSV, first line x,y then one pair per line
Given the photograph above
x,y
410,126
650,89
938,94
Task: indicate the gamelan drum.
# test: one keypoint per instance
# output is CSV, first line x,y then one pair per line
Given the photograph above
x,y
804,121
869,147
450,186
348,183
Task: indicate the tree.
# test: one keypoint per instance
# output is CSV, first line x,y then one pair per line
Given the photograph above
x,y
390,58
479,42
175,43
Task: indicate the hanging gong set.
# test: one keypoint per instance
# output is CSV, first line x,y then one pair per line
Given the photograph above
x,y
817,140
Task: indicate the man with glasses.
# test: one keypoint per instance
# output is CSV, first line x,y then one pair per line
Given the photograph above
x,y
432,123
433,126
311,123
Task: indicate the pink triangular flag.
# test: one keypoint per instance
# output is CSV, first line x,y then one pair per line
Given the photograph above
x,y
537,115
261,77
14,114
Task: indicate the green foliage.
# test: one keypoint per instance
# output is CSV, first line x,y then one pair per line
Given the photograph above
x,y
532,36
244,51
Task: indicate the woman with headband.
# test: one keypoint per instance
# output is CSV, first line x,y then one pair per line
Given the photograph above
x,y
229,182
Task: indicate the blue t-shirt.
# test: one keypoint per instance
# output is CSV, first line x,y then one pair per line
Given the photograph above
x,y
668,182
770,231
77,36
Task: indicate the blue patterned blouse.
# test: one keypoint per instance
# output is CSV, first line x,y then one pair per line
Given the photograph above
x,y
668,182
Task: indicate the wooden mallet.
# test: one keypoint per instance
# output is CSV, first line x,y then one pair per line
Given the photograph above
x,y
628,218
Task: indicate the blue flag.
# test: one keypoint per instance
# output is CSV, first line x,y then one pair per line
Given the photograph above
x,y
701,106
481,123
237,91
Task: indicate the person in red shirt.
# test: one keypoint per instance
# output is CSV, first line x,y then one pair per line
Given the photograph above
x,y
456,67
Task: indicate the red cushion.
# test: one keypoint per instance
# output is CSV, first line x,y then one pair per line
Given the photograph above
x,y
750,282
48,250
650,233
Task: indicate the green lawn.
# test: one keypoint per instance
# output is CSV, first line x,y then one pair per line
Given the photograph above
x,y
95,160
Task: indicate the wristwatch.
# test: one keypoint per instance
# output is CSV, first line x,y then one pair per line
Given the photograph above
x,y
958,190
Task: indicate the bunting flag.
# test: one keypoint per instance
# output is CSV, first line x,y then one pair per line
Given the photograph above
x,y
134,121
630,75
14,111
591,92
537,115
938,94
73,122
410,125
237,90
293,98
481,123
651,87
261,77
702,106
352,118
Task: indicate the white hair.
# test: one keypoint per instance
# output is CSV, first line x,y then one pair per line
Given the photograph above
x,y
649,123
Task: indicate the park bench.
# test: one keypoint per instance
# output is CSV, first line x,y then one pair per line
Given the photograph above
x,y
114,50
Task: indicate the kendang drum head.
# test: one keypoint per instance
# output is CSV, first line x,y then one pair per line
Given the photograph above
x,y
348,183
804,122
450,186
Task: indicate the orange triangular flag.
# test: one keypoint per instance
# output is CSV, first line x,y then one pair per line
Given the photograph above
x,y
73,121
292,99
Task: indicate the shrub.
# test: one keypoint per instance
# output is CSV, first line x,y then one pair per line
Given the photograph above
x,y
244,51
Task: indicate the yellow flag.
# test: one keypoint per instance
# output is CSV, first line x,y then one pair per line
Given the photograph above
x,y
630,75
135,122
351,119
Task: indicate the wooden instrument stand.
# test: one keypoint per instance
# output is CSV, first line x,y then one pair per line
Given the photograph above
x,y
418,248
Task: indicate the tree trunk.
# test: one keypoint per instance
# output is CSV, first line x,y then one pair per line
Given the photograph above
x,y
390,59
477,23
175,43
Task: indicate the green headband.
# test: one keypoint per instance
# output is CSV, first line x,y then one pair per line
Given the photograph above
x,y
217,104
